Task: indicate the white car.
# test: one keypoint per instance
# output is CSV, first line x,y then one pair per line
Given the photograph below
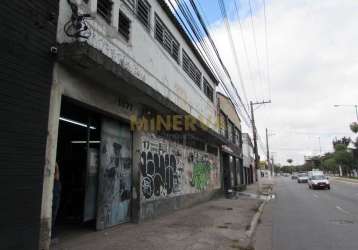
x,y
302,178
319,181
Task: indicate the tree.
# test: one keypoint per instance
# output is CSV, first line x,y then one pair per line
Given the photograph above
x,y
289,161
330,165
342,156
343,141
354,127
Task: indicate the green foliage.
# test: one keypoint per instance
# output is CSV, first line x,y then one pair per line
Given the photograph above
x,y
330,165
340,147
354,127
289,161
343,141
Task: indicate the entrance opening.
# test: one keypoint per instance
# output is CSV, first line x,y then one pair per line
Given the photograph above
x,y
78,147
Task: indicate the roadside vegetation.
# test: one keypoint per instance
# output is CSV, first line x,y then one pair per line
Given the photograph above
x,y
344,156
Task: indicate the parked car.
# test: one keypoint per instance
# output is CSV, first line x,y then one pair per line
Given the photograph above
x,y
319,181
302,178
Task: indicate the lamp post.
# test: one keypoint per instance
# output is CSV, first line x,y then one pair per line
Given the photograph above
x,y
349,105
319,144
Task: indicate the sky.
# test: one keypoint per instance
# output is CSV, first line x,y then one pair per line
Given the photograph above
x,y
313,64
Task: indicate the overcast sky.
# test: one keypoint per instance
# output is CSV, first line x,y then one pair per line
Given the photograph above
x,y
313,64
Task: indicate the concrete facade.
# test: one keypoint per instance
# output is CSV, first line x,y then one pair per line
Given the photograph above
x,y
248,157
231,151
120,79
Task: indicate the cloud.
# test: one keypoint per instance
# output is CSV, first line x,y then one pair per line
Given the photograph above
x,y
313,56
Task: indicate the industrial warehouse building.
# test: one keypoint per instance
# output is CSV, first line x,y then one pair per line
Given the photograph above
x,y
126,107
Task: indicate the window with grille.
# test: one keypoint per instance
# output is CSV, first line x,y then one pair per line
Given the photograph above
x,y
190,68
166,39
124,25
143,12
104,9
208,90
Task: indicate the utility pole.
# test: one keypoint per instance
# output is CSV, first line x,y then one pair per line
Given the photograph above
x,y
268,152
254,132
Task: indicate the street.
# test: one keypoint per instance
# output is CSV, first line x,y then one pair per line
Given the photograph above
x,y
300,218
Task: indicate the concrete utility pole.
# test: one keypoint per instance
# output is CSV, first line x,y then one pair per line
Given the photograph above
x,y
268,152
254,132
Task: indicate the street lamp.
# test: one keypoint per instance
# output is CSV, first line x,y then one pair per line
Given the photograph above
x,y
351,105
319,143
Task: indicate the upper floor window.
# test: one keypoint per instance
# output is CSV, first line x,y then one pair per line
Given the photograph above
x,y
230,131
238,138
222,124
208,90
104,9
124,25
167,40
143,12
190,68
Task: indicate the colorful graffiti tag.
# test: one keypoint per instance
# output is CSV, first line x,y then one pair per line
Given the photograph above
x,y
201,175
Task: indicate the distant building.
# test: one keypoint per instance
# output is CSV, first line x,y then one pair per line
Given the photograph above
x,y
248,159
231,151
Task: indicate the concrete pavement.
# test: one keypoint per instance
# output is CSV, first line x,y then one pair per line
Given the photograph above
x,y
217,224
300,218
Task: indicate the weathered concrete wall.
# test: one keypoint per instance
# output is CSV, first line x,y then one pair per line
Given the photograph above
x,y
144,57
169,172
229,109
247,150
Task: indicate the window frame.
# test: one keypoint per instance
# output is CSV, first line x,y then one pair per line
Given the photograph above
x,y
141,19
124,35
191,68
108,19
165,38
206,87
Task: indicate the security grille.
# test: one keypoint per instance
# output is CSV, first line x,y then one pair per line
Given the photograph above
x,y
143,12
166,39
104,9
190,68
208,90
124,25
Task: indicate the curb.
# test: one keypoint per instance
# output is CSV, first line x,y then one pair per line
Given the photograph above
x,y
255,220
346,180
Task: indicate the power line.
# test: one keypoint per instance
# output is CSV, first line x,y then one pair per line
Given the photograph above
x,y
232,45
195,31
267,51
255,43
245,48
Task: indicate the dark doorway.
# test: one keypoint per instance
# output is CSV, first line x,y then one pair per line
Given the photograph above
x,y
78,146
226,171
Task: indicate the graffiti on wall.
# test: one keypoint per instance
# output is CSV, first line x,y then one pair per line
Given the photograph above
x,y
162,170
115,174
201,175
204,170
169,168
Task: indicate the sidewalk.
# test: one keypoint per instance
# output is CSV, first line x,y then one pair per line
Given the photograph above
x,y
217,224
345,179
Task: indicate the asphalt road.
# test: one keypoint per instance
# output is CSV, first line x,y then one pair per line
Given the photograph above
x,y
300,218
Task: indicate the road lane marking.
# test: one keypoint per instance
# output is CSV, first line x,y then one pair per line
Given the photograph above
x,y
315,195
342,210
